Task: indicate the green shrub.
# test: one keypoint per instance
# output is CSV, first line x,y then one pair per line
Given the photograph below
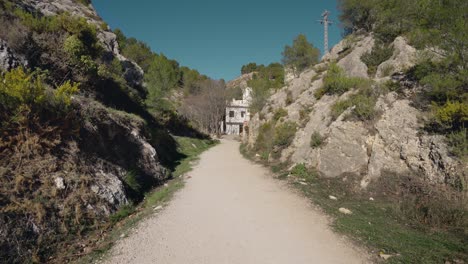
x,y
363,102
364,107
284,134
458,143
289,98
131,179
336,82
339,107
20,89
316,140
265,137
281,112
122,213
301,171
300,55
304,113
319,93
379,54
452,115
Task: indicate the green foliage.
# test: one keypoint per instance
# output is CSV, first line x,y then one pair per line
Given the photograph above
x,y
336,82
251,67
284,134
357,14
279,113
379,54
452,115
273,138
339,107
458,143
20,90
320,92
64,93
316,140
81,44
161,78
363,104
122,213
265,79
302,172
135,50
132,181
300,55
235,93
264,142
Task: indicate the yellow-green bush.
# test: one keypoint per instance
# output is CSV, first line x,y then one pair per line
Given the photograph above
x,y
22,89
452,114
63,94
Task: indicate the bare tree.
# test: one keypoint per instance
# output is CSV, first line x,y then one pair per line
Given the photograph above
x,y
206,109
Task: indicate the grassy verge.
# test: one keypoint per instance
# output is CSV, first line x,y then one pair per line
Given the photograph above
x,y
376,222
125,220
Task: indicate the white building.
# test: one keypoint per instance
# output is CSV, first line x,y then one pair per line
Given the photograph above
x,y
237,114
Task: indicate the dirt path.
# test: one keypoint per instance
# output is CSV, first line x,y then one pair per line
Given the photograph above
x,y
231,211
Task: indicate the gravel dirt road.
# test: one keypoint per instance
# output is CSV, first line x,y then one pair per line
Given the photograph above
x,y
232,211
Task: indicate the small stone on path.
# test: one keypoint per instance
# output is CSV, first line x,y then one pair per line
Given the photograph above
x,y
332,197
345,211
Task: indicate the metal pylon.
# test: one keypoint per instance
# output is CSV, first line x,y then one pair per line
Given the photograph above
x,y
325,22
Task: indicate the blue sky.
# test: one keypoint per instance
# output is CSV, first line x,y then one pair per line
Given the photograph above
x,y
217,37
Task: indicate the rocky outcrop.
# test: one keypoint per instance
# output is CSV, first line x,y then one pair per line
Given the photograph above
x,y
404,57
133,73
122,139
8,58
240,82
352,50
393,142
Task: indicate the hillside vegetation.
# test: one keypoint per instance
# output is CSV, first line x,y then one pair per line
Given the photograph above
x,y
86,127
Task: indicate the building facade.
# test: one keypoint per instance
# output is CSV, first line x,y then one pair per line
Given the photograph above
x,y
237,114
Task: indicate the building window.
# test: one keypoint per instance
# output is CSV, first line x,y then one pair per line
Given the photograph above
x,y
231,113
242,113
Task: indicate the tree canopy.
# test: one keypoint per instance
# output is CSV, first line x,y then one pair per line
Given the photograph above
x,y
301,55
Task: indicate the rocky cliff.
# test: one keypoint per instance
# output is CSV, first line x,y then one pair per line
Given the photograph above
x,y
393,140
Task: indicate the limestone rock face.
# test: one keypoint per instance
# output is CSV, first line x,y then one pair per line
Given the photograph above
x,y
403,57
393,142
8,58
345,150
352,63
